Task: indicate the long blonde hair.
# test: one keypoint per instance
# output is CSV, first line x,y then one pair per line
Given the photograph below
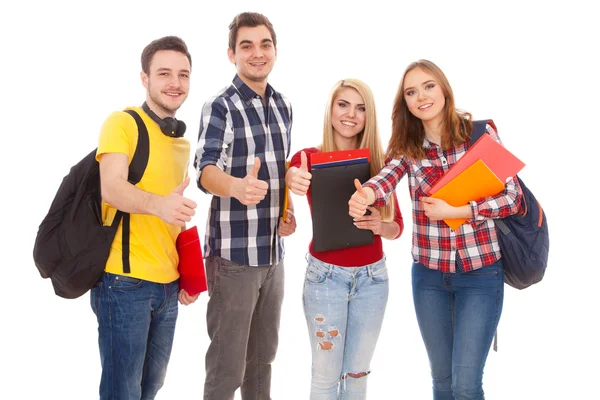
x,y
408,133
368,138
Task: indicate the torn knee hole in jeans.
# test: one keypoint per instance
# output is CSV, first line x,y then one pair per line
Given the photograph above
x,y
326,345
332,333
355,375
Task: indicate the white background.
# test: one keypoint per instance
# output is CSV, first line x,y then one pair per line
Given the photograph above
x,y
532,68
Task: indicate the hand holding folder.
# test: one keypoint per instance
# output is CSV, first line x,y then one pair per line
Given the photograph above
x,y
192,277
481,172
474,183
497,158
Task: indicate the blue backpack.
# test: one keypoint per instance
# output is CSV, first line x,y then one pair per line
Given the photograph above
x,y
523,237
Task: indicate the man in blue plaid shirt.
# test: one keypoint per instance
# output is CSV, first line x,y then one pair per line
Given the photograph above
x,y
240,159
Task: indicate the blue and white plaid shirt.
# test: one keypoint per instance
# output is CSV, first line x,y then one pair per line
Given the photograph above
x,y
235,127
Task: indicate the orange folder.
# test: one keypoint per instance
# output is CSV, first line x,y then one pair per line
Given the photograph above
x,y
498,159
474,183
192,276
286,195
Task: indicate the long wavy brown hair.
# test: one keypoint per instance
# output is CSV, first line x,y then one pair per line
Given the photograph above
x,y
368,138
408,133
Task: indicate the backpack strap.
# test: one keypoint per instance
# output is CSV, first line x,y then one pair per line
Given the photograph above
x,y
478,130
136,171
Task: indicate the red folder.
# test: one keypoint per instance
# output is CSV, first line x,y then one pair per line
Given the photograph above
x,y
192,276
498,159
474,183
340,155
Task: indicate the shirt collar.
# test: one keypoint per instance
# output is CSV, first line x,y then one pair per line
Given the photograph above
x,y
248,94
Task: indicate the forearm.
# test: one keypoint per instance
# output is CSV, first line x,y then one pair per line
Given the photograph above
x,y
389,230
462,212
217,181
129,198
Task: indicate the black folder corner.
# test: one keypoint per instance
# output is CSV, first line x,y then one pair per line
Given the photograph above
x,y
332,187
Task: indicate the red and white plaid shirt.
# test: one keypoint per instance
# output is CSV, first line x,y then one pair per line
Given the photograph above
x,y
434,244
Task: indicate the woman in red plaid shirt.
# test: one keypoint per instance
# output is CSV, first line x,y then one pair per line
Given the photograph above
x,y
457,275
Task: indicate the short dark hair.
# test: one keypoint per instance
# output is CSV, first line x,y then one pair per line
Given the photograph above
x,y
249,19
165,43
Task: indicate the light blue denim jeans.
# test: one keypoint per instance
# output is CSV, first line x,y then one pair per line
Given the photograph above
x,y
136,325
344,309
458,314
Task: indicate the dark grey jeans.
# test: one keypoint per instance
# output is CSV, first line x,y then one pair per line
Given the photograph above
x,y
242,318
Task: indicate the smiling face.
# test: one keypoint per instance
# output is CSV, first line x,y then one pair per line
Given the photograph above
x,y
167,82
254,55
348,116
424,96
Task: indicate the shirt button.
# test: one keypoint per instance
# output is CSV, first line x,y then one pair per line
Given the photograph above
x,y
444,162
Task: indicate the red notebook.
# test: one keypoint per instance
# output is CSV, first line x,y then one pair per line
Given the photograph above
x,y
498,159
192,276
338,157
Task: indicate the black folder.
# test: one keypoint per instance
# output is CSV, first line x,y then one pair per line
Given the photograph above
x,y
331,188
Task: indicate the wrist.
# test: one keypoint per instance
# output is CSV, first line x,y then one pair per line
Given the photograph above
x,y
152,204
290,175
370,195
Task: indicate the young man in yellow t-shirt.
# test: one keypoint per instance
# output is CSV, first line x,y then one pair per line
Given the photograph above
x,y
137,310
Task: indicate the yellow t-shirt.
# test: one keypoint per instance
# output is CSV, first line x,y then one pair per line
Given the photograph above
x,y
152,253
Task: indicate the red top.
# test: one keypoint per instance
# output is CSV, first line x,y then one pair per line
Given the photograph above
x,y
352,256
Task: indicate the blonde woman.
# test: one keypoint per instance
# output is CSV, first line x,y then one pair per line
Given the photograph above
x,y
346,290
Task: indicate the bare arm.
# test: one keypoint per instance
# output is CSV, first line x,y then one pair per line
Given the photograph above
x,y
217,181
119,193
249,190
389,230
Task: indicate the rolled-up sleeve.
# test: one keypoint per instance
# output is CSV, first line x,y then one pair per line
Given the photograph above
x,y
384,183
505,203
216,134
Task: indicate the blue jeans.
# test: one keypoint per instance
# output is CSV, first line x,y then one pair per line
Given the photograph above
x,y
344,308
136,325
458,314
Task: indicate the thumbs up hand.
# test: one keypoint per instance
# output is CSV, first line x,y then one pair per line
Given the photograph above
x,y
175,209
250,190
255,168
360,200
298,179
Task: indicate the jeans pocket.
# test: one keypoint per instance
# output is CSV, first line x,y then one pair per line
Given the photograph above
x,y
486,270
126,283
95,295
380,275
315,274
230,267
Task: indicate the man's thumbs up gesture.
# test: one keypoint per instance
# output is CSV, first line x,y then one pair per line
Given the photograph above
x,y
251,190
175,209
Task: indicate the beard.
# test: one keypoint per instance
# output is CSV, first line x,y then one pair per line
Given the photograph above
x,y
164,107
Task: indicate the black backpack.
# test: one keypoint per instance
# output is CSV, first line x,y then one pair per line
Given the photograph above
x,y
72,243
523,237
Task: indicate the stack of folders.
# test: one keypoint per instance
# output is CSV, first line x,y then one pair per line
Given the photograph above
x,y
482,172
332,185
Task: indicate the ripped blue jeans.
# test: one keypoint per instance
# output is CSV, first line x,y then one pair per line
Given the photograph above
x,y
344,309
